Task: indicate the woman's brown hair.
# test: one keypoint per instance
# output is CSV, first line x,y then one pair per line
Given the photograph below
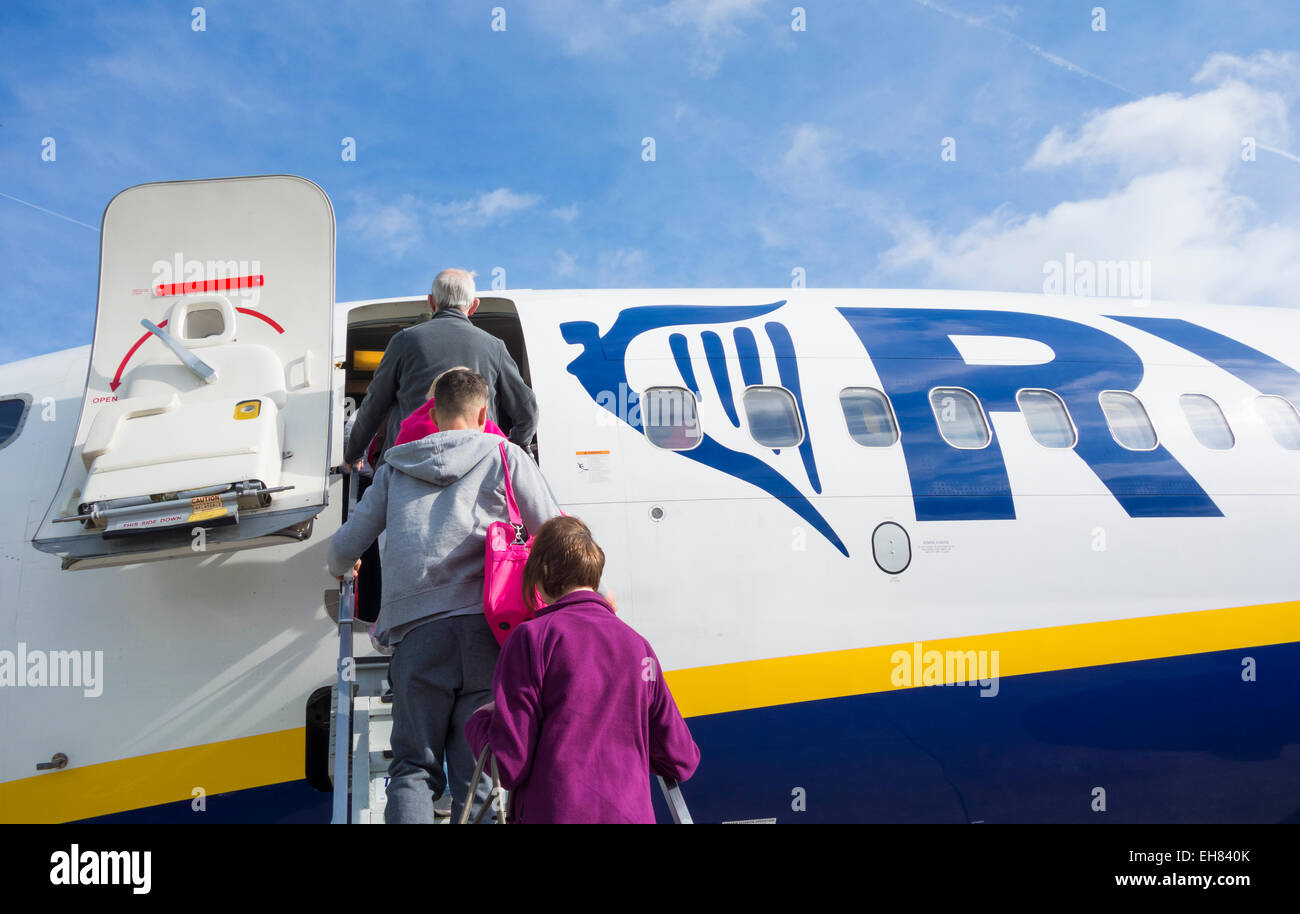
x,y
564,556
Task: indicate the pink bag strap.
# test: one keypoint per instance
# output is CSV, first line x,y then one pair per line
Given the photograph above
x,y
515,519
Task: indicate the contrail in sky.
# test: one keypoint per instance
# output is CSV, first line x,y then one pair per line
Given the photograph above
x,y
1054,59
50,212
1279,152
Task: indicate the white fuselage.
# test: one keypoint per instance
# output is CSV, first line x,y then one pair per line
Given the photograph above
x,y
719,574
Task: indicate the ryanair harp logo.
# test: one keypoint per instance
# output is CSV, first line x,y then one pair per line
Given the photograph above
x,y
601,368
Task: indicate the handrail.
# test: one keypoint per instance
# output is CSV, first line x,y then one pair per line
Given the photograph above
x,y
343,704
676,802
495,798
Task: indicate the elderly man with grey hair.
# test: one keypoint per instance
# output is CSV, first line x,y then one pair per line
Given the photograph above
x,y
418,354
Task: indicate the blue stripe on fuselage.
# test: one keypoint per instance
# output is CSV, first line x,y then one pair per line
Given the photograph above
x,y
292,802
1177,739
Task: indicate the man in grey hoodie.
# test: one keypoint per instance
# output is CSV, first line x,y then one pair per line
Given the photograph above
x,y
436,497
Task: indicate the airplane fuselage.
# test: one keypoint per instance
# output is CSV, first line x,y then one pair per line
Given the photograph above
x,y
877,593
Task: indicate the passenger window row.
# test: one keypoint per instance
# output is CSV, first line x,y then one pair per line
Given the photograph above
x,y
671,419
962,422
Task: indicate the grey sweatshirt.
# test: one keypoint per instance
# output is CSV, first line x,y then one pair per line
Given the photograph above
x,y
436,498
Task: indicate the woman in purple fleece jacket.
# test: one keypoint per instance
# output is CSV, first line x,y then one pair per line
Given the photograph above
x,y
581,715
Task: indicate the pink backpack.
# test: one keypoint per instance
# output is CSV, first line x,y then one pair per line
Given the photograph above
x,y
503,570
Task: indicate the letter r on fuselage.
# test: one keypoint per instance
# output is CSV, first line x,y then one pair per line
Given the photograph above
x,y
913,353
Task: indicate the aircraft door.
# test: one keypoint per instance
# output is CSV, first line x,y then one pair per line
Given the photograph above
x,y
211,391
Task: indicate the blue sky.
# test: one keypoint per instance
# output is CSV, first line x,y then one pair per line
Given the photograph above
x,y
775,149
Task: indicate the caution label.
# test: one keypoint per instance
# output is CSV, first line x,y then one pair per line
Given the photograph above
x,y
206,507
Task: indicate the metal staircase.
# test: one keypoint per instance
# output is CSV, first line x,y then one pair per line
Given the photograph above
x,y
360,726
362,768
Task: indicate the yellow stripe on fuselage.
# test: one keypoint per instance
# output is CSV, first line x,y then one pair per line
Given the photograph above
x,y
272,758
810,677
160,777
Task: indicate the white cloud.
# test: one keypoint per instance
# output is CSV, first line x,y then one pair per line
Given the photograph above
x,y
400,225
566,213
566,264
1179,198
494,206
584,27
603,29
810,173
714,22
711,17
812,151
622,268
1263,68
392,226
1165,131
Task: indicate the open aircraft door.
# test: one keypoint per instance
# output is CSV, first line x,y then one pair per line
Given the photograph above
x,y
212,390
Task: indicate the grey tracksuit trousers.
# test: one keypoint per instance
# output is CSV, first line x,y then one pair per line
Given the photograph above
x,y
441,673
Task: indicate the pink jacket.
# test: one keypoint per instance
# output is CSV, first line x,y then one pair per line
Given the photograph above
x,y
581,718
419,424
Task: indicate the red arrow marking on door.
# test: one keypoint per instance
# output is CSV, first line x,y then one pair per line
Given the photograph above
x,y
117,378
251,313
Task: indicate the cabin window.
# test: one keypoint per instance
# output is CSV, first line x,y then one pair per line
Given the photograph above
x,y
1282,420
869,416
773,417
1128,420
670,418
960,417
13,410
1207,421
1048,419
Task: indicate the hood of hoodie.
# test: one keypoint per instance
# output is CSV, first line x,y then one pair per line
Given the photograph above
x,y
443,457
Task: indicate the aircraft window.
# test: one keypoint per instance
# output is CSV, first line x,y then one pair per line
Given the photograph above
x,y
869,416
1282,420
12,412
960,417
773,416
670,418
1128,420
1048,419
1206,421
